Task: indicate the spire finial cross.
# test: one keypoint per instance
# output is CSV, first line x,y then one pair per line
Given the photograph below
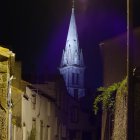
x,y
73,2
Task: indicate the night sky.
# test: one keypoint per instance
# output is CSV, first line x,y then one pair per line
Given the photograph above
x,y
36,31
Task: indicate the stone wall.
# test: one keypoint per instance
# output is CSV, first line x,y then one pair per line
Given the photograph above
x,y
16,107
120,116
137,110
3,100
7,59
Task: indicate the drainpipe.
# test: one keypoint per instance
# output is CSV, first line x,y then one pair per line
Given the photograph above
x,y
9,109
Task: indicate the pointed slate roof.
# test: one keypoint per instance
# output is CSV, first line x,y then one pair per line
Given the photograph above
x,y
72,55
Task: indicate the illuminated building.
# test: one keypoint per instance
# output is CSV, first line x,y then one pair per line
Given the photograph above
x,y
72,65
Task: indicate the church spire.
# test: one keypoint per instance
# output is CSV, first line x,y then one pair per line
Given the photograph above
x,y
72,64
73,4
72,53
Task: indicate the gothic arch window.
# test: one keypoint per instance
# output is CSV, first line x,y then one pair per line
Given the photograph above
x,y
76,93
75,78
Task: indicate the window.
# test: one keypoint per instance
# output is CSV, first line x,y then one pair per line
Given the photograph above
x,y
75,78
74,114
33,100
41,130
63,131
48,133
49,108
76,93
33,123
33,131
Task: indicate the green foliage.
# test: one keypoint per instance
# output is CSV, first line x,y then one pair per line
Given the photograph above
x,y
106,97
16,120
123,87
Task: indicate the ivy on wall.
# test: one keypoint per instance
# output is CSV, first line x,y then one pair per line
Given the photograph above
x,y
107,96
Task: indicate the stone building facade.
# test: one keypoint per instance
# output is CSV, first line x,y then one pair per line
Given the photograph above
x,y
6,71
38,115
54,114
45,111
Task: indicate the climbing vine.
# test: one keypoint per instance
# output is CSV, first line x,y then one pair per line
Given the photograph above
x,y
107,96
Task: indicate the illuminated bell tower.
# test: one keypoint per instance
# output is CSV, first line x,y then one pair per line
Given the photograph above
x,y
72,65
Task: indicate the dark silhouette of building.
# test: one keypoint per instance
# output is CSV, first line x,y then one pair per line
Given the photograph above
x,y
114,57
